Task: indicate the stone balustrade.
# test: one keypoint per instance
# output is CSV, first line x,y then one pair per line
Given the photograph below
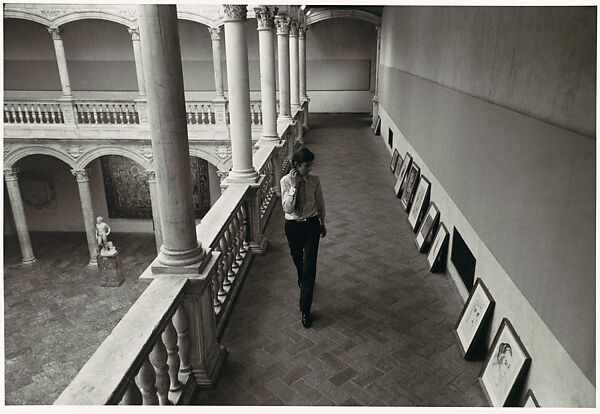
x,y
151,357
106,112
33,112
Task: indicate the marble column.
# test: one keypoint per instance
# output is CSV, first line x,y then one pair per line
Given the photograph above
x,y
265,18
376,94
215,36
167,118
302,61
283,59
294,67
236,51
151,177
89,221
139,65
61,60
16,203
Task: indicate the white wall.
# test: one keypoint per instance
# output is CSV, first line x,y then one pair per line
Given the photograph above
x,y
520,190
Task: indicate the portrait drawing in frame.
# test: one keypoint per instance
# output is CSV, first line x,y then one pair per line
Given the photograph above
x,y
410,184
420,202
505,366
400,180
472,322
427,228
394,162
439,249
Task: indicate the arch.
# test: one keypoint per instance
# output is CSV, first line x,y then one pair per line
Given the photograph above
x,y
28,150
25,15
95,14
221,164
98,152
326,14
194,17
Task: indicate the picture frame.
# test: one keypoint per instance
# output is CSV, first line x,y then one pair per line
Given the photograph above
x,y
377,129
529,400
474,318
421,200
439,249
410,184
406,161
505,366
394,162
427,228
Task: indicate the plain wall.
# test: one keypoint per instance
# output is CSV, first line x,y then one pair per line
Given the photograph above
x,y
525,187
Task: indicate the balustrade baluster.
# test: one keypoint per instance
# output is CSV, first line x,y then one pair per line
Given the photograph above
x,y
37,113
245,216
240,216
127,114
260,115
132,396
205,112
6,114
169,337
180,323
120,112
189,114
224,245
147,379
234,242
95,114
20,114
230,255
52,113
13,113
212,115
101,114
28,112
158,359
222,271
197,118
46,115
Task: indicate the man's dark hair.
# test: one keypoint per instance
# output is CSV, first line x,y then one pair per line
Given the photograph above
x,y
302,154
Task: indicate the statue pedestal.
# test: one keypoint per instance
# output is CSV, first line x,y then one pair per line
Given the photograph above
x,y
111,272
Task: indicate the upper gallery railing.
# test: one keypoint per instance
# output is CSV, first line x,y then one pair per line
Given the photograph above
x,y
113,112
151,354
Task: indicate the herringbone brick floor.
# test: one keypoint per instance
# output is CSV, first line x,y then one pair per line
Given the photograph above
x,y
383,324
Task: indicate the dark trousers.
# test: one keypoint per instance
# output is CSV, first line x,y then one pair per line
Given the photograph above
x,y
303,239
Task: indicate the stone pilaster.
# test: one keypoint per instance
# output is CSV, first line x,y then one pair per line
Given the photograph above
x,y
89,221
294,67
236,50
139,65
302,61
16,203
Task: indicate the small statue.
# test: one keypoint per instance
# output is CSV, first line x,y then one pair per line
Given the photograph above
x,y
102,232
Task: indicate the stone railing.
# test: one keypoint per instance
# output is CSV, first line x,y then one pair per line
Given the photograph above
x,y
255,113
106,112
200,113
168,342
33,112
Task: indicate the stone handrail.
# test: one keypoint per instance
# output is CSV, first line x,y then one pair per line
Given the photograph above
x,y
142,345
265,161
200,113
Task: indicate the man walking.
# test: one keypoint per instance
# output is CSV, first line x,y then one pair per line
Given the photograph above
x,y
304,208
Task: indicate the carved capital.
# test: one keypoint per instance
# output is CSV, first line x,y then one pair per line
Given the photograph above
x,y
146,151
81,175
135,33
56,33
235,12
10,174
215,33
223,175
265,17
150,175
283,25
294,28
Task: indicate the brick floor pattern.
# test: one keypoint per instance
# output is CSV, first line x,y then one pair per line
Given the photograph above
x,y
383,323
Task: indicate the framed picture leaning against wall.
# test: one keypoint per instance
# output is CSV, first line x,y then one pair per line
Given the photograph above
x,y
474,318
400,180
410,184
394,162
427,228
420,203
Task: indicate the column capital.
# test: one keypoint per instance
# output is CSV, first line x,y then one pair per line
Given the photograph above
x,y
283,25
222,175
265,17
302,28
56,33
293,28
235,12
215,33
378,28
150,175
10,174
135,33
81,175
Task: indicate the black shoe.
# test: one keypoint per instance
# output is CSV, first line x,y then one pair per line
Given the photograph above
x,y
306,319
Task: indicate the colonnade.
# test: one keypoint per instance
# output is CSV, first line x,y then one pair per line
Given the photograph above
x,y
173,220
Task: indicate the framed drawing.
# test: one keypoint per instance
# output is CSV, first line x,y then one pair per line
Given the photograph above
x,y
403,168
394,162
427,228
410,183
530,400
439,249
377,129
420,202
473,319
505,366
